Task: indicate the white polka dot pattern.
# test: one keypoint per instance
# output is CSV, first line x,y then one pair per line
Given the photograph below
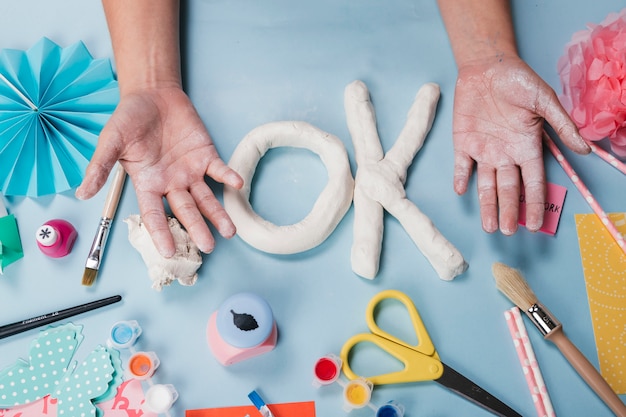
x,y
50,371
49,357
604,267
87,384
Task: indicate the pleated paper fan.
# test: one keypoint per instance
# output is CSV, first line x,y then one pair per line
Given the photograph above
x,y
53,104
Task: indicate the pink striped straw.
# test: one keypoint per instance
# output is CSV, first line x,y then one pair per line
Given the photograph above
x,y
534,365
582,188
529,364
610,159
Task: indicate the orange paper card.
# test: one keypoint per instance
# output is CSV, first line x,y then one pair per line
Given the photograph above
x,y
300,409
604,267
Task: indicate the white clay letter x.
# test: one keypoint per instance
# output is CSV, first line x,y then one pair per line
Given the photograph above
x,y
379,184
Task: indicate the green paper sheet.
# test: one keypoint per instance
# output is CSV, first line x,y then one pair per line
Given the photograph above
x,y
10,242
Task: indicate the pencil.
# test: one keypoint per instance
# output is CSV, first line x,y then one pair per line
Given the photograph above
x,y
31,323
99,242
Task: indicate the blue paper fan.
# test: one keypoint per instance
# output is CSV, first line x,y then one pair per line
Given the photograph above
x,y
53,104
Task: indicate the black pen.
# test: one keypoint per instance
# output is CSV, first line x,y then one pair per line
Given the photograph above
x,y
24,325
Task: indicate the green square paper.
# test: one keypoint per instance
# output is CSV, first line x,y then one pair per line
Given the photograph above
x,y
10,242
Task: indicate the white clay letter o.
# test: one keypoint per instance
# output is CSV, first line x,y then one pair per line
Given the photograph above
x,y
329,208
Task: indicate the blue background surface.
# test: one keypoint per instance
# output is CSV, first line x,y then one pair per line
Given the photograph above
x,y
250,62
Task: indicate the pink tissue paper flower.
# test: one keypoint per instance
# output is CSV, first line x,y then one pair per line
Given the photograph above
x,y
593,77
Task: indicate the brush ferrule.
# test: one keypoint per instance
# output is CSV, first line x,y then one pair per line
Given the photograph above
x,y
99,241
542,318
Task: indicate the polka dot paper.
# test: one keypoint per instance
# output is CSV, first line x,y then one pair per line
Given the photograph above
x,y
87,385
604,268
49,358
50,371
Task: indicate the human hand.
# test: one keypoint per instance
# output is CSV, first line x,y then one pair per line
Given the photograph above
x,y
499,112
164,147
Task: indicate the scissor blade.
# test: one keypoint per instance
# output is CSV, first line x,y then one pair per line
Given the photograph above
x,y
472,392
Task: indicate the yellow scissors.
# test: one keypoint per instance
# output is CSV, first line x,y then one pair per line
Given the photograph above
x,y
421,361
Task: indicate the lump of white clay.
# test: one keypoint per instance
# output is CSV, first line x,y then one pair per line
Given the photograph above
x,y
379,184
163,271
329,208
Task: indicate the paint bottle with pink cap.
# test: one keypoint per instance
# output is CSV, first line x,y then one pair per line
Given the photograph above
x,y
56,237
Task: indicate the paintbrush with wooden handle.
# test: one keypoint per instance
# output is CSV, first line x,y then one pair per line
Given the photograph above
x,y
92,265
512,284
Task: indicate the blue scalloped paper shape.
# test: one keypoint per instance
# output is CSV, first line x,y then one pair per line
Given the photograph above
x,y
51,371
46,150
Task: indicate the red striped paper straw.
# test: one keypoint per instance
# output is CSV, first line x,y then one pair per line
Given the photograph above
x,y
607,157
529,364
582,188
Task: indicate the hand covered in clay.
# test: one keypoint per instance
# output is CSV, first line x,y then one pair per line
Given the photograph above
x,y
163,145
499,113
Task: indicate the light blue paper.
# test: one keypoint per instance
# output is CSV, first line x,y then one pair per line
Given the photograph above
x,y
51,370
46,150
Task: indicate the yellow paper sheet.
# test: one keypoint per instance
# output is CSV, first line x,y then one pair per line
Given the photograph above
x,y
604,268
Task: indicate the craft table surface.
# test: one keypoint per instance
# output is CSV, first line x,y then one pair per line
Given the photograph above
x,y
250,62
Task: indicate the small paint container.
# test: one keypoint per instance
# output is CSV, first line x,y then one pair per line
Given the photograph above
x,y
242,327
56,238
326,370
390,409
357,394
124,334
142,365
160,398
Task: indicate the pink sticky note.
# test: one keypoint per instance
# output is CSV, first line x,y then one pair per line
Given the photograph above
x,y
555,197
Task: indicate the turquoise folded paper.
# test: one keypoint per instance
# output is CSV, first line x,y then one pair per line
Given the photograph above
x,y
53,104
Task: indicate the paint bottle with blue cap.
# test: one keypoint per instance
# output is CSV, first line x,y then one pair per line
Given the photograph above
x,y
241,328
390,409
124,334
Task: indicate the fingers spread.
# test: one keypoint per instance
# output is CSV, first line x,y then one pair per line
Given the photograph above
x,y
534,180
213,210
221,172
463,166
155,220
95,177
104,158
97,173
565,128
508,188
186,211
487,198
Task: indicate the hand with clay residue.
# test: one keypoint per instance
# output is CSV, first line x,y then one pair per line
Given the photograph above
x,y
499,111
164,147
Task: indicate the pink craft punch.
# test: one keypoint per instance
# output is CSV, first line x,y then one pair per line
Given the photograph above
x,y
56,237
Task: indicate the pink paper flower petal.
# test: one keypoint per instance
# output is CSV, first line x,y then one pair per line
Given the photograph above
x,y
592,71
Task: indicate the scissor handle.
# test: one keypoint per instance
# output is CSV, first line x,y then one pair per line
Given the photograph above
x,y
421,361
417,367
424,343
